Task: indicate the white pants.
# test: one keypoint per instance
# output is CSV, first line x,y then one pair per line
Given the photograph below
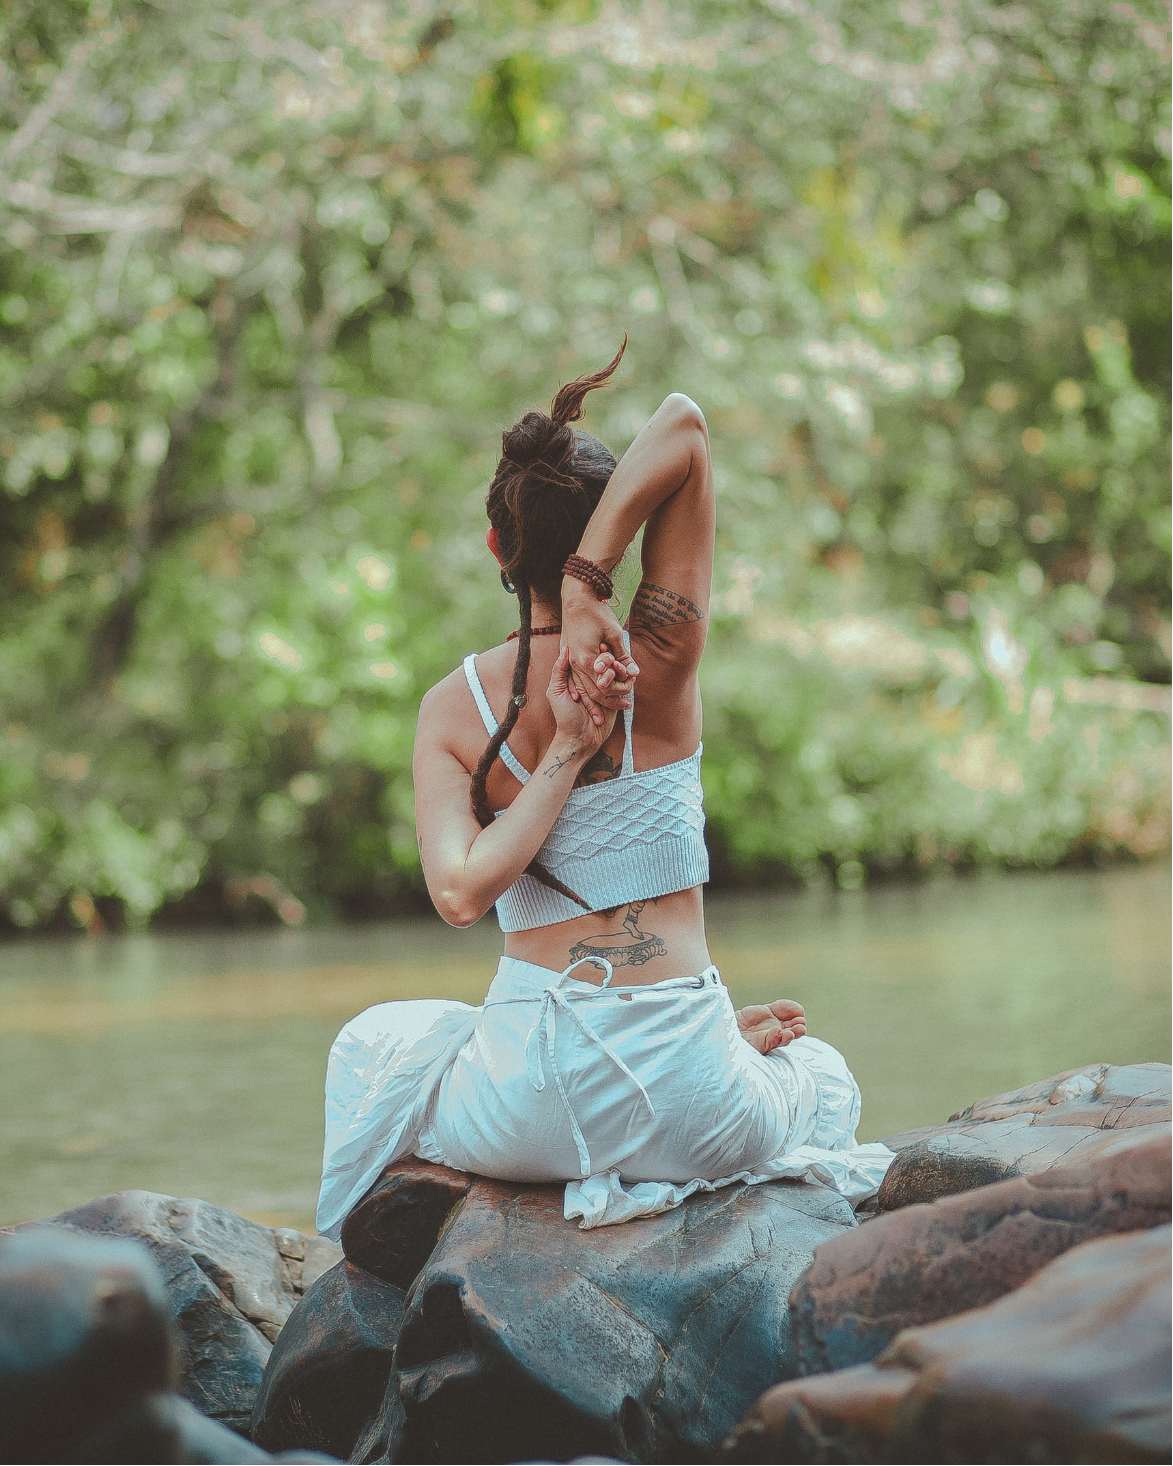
x,y
636,1097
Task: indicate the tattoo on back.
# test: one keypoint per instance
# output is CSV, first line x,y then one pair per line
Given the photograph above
x,y
655,605
599,768
629,947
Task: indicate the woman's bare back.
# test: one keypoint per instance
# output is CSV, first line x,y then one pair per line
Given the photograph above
x,y
645,941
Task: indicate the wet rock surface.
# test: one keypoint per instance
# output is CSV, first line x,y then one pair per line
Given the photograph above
x,y
1072,1366
928,1262
1060,1121
230,1283
89,1358
525,1337
328,1371
393,1229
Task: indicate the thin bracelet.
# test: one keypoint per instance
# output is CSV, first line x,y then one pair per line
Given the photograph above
x,y
580,568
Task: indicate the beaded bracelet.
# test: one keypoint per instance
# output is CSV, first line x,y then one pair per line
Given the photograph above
x,y
579,568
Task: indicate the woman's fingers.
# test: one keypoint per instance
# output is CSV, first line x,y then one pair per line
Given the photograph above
x,y
559,676
618,659
785,1008
769,1026
611,672
596,714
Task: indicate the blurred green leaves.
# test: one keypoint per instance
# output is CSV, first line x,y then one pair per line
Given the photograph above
x,y
273,279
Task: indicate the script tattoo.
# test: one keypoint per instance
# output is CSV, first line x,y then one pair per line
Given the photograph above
x,y
655,605
629,947
599,768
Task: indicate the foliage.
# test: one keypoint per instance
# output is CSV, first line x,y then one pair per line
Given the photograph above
x,y
274,276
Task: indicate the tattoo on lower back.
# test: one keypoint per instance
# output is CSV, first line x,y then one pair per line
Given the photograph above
x,y
655,605
628,947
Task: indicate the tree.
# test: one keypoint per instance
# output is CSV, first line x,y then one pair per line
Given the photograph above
x,y
275,276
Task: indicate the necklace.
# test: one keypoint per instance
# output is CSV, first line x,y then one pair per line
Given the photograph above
x,y
537,631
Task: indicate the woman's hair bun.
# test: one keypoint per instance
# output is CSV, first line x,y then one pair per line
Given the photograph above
x,y
547,484
530,439
550,440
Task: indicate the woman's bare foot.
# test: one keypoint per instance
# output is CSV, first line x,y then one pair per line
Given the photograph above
x,y
769,1026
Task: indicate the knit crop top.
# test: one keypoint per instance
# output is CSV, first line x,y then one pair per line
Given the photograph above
x,y
626,839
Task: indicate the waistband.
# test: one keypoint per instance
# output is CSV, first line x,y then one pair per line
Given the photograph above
x,y
517,978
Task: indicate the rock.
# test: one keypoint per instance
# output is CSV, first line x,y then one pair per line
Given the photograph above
x,y
1063,1120
167,1428
85,1333
392,1231
328,1371
89,1358
231,1284
1073,1366
928,1262
526,1338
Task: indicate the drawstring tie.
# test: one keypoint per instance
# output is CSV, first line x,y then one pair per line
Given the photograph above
x,y
544,1035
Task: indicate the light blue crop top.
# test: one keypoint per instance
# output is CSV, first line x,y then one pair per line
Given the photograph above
x,y
626,839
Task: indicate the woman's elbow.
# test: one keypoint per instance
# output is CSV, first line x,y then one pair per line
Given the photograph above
x,y
456,908
684,413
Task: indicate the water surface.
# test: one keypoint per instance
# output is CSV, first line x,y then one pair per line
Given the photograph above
x,y
193,1064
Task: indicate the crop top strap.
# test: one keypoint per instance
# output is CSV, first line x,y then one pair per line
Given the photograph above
x,y
513,764
627,765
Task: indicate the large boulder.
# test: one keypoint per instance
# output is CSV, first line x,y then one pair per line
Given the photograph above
x,y
1060,1121
1072,1366
328,1371
325,1382
89,1358
230,1283
525,1337
930,1261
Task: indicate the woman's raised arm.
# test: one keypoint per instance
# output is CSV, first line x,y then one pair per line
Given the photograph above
x,y
664,481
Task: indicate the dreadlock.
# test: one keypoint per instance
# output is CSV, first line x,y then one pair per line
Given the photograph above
x,y
549,479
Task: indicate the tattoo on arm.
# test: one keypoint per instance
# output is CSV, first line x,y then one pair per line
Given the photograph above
x,y
655,605
559,763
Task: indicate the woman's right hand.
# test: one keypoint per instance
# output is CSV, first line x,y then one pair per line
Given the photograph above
x,y
574,719
770,1026
602,670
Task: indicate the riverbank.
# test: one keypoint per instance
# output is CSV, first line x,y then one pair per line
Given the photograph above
x,y
192,1063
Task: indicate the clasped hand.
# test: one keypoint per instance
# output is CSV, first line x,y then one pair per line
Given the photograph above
x,y
573,719
602,670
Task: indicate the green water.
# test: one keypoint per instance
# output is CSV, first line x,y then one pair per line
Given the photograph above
x,y
193,1064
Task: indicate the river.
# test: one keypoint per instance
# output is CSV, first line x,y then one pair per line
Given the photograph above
x,y
192,1064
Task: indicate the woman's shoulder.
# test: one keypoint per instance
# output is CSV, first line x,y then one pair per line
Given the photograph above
x,y
453,690
444,696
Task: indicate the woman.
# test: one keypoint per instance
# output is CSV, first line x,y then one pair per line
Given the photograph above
x,y
607,1053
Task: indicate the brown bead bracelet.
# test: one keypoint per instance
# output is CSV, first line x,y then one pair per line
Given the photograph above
x,y
580,568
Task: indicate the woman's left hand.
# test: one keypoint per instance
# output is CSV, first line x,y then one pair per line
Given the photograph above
x,y
573,719
769,1026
